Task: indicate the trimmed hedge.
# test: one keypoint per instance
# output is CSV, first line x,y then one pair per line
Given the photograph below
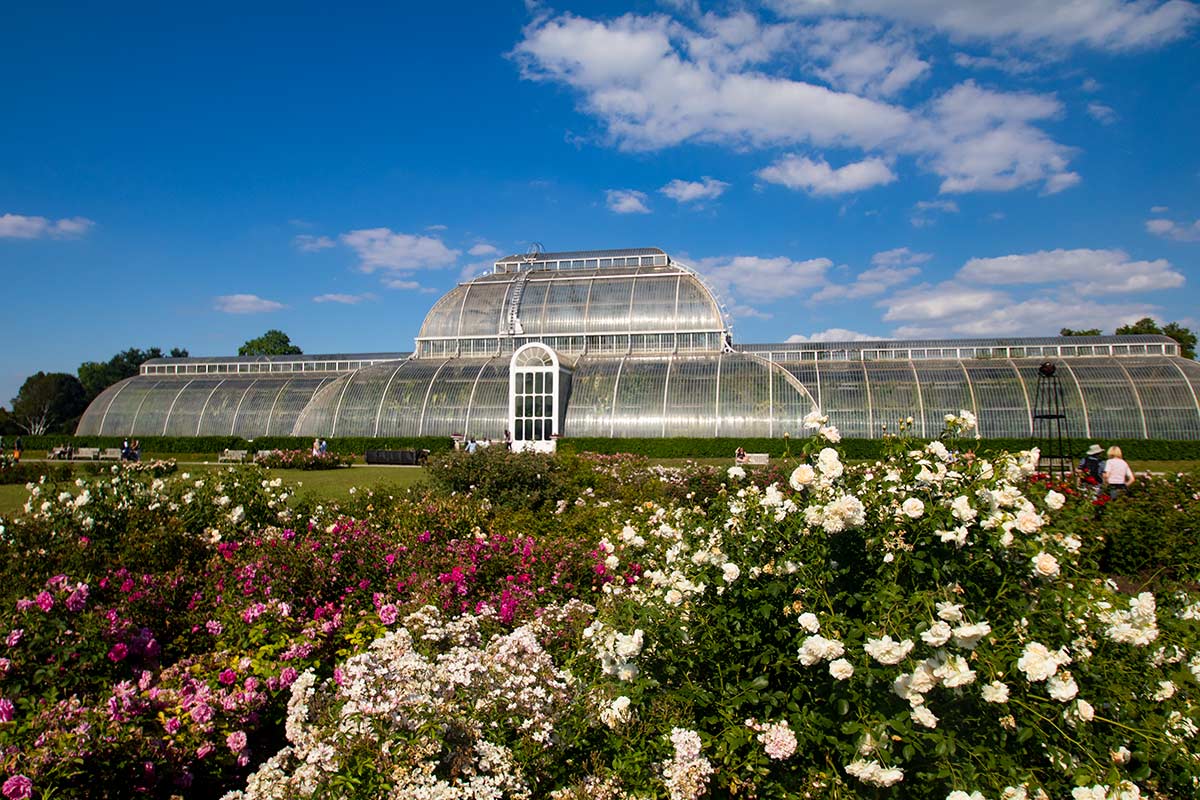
x,y
344,445
1137,449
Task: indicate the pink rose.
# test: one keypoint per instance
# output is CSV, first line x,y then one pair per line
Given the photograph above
x,y
118,652
236,741
173,725
44,600
18,787
227,676
287,677
6,710
14,637
388,614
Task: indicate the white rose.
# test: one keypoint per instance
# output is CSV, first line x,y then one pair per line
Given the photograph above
x,y
809,622
913,508
995,692
1054,500
1045,565
841,669
730,572
802,476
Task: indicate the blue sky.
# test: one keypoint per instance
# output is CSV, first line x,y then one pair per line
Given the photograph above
x,y
182,176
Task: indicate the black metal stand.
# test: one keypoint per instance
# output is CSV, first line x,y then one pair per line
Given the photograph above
x,y
1051,434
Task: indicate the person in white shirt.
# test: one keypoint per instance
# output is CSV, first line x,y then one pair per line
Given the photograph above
x,y
1117,475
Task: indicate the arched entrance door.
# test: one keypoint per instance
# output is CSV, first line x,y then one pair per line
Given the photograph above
x,y
535,398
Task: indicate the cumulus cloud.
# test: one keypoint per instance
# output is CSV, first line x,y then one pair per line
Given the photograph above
x,y
925,211
1059,287
1009,64
755,279
311,244
384,249
818,178
19,226
626,201
1103,114
653,82
868,283
1101,24
1089,272
683,191
862,57
834,335
245,304
344,299
899,257
1179,231
483,249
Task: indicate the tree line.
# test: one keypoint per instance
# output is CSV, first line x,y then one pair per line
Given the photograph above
x,y
1145,325
53,402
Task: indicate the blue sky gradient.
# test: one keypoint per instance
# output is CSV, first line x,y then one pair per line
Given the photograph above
x,y
190,177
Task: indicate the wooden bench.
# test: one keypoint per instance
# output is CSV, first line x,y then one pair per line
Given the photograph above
x,y
759,459
57,453
110,454
88,453
233,455
263,453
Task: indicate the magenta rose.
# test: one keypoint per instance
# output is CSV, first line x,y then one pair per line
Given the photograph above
x,y
18,787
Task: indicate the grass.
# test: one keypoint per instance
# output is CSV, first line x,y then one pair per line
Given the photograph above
x,y
323,484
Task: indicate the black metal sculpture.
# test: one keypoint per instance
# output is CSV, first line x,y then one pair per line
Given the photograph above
x,y
1051,433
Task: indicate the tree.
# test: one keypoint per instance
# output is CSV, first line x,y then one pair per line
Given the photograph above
x,y
1182,335
1080,332
271,343
49,402
96,376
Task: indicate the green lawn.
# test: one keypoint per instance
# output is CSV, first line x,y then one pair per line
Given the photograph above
x,y
329,484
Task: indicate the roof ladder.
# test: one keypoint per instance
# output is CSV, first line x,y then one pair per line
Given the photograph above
x,y
514,304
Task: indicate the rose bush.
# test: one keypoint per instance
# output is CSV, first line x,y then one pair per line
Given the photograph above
x,y
929,625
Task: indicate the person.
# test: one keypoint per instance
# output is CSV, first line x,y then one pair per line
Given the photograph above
x,y
17,451
324,447
1092,465
472,445
1117,475
125,450
135,451
739,456
316,448
507,439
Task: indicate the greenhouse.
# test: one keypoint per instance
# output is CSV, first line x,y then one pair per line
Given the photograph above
x,y
632,343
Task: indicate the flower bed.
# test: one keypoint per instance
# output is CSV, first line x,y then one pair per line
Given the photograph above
x,y
925,626
301,459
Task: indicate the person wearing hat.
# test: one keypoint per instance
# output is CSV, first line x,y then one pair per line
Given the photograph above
x,y
1092,465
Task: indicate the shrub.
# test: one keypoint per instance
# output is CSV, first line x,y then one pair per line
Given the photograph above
x,y
525,480
300,459
1152,531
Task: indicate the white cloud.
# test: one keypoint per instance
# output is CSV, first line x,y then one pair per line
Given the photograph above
x,y
1037,316
817,178
245,304
626,201
1103,114
868,283
18,226
860,56
691,191
311,244
834,335
899,257
1179,231
483,249
944,301
344,299
401,283
753,278
1089,272
1101,24
382,248
435,227
1090,85
982,140
1159,209
1060,182
653,82
924,211
1009,64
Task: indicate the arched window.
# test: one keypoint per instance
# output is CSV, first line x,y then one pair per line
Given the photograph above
x,y
534,397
